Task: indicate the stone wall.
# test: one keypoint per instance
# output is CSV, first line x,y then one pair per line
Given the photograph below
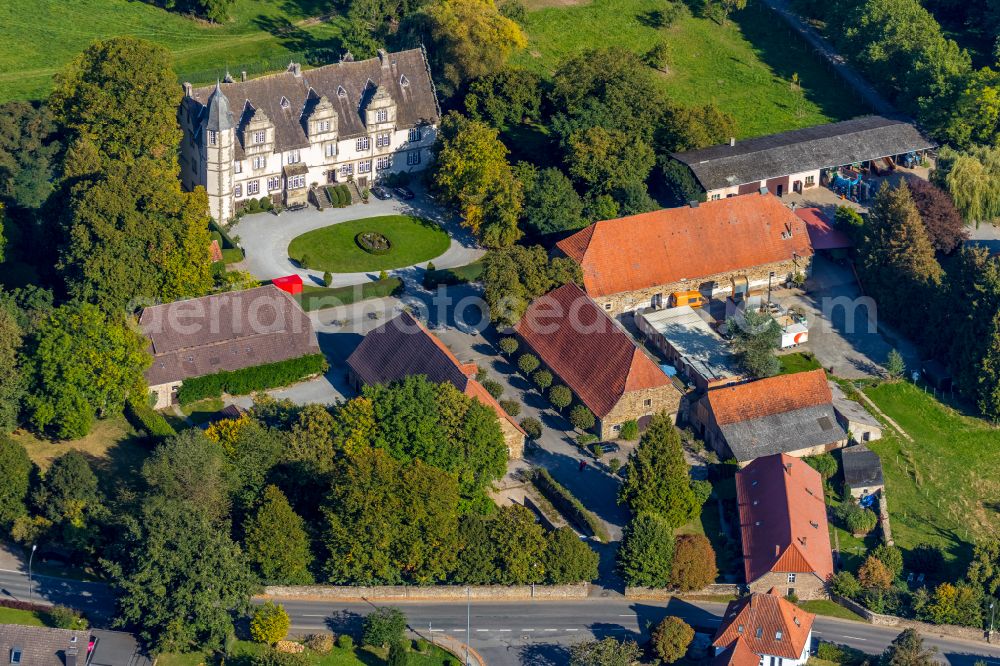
x,y
632,406
431,592
514,439
964,633
664,593
806,585
627,301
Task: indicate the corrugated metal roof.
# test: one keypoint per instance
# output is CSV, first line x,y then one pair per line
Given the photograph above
x,y
819,147
691,336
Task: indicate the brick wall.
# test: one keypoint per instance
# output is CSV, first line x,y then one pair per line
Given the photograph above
x,y
806,585
627,301
404,592
632,406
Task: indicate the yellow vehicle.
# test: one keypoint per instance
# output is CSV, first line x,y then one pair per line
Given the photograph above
x,y
691,298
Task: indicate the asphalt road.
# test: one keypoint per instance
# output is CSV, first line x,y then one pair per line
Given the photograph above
x,y
94,599
539,633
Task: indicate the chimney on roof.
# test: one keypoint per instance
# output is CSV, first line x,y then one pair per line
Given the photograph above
x,y
71,653
228,78
383,58
732,141
188,89
777,550
693,203
243,76
788,468
295,68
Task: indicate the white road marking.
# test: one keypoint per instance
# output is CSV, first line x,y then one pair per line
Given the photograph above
x,y
627,615
550,630
855,638
434,630
527,630
503,629
572,630
304,615
482,629
462,630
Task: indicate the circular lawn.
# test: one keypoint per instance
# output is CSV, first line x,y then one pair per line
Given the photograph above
x,y
344,247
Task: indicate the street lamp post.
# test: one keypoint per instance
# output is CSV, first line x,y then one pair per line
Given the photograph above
x,y
468,623
30,558
991,621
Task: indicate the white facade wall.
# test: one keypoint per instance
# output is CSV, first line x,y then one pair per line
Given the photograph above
x,y
809,180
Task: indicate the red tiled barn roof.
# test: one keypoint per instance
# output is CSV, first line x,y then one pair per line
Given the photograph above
x,y
674,244
783,518
580,343
822,234
769,396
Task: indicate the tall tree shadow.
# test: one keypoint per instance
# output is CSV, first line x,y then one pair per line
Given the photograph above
x,y
315,50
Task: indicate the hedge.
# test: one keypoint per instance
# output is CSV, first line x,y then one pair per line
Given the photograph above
x,y
144,418
248,380
319,298
454,276
569,505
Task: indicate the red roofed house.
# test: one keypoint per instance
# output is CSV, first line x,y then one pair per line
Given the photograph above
x,y
638,261
791,414
588,352
402,347
786,542
763,630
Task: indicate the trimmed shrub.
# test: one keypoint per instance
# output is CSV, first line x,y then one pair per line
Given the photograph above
x,y
142,417
532,426
430,266
248,380
508,345
345,642
270,623
345,195
493,387
528,363
512,407
422,646
560,397
252,206
597,450
629,431
265,204
542,379
586,439
453,276
568,505
614,465
384,626
581,417
383,275
319,298
304,261
327,278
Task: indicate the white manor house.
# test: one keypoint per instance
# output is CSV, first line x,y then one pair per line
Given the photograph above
x,y
280,134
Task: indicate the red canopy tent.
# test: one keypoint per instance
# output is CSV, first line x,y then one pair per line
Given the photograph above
x,y
290,283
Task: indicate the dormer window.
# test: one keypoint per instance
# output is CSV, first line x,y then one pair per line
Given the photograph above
x,y
777,635
341,92
759,633
382,115
403,81
739,629
322,126
260,136
285,103
15,655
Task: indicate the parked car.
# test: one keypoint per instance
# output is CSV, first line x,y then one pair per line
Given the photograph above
x,y
381,193
403,193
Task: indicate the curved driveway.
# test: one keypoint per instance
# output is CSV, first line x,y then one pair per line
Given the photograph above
x,y
266,237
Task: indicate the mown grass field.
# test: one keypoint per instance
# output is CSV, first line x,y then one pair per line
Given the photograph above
x,y
43,35
943,487
745,66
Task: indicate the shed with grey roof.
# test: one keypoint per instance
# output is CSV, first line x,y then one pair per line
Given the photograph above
x,y
779,161
800,432
683,336
862,470
855,419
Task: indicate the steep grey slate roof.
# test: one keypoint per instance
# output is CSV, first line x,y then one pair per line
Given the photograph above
x,y
348,85
834,144
228,331
851,409
220,117
41,646
784,432
862,467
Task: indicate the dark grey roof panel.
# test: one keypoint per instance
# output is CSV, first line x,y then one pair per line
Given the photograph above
x,y
220,118
862,467
834,144
783,433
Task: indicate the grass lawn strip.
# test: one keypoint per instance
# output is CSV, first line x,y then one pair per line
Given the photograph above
x,y
21,617
334,248
940,486
744,66
337,657
830,609
322,298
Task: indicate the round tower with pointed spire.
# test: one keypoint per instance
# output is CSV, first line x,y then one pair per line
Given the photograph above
x,y
218,153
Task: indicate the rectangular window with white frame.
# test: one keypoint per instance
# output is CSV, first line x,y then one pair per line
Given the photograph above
x,y
382,116
259,162
213,137
810,181
330,150
260,136
414,135
293,157
364,143
413,157
297,182
273,183
347,170
382,140
253,187
716,197
791,578
238,191
238,166
323,126
383,163
365,166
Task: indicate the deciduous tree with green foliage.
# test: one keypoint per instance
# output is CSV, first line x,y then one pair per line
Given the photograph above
x,y
646,555
11,380
756,337
567,559
384,626
190,469
671,639
658,479
605,161
560,396
551,204
607,652
505,98
81,366
472,175
581,417
507,547
908,649
972,178
15,477
515,276
276,542
270,623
